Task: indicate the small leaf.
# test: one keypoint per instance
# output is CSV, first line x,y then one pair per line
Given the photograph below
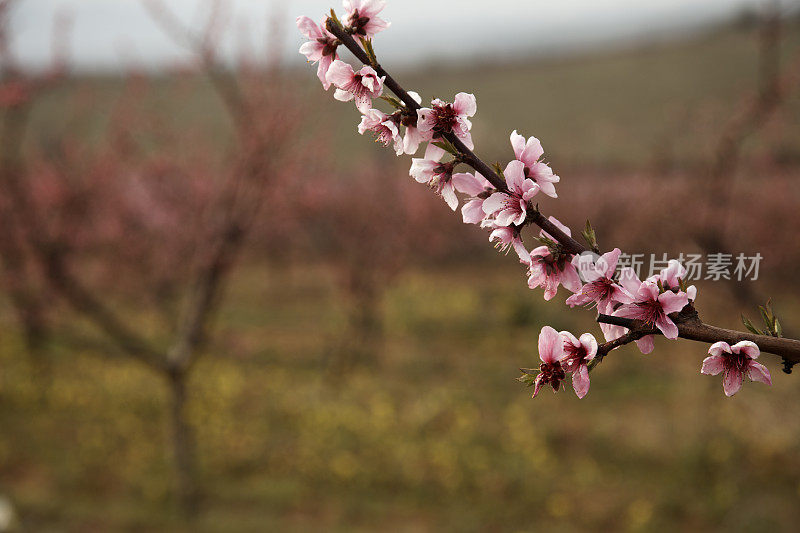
x,y
590,236
335,18
550,243
499,170
367,45
766,318
749,325
393,101
447,147
778,328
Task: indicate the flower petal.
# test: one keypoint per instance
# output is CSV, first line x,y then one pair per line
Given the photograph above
x,y
580,381
750,349
672,302
718,348
758,372
731,382
667,327
713,365
551,348
465,104
517,143
646,344
589,344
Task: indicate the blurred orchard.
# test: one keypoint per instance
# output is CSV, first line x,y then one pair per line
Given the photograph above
x,y
223,310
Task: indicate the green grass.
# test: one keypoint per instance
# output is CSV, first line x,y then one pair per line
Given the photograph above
x,y
434,435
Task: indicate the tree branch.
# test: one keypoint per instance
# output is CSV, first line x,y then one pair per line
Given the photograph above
x,y
690,327
467,156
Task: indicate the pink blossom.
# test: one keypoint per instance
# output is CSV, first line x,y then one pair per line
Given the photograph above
x,y
577,354
600,288
361,86
672,276
442,118
413,137
512,207
477,189
384,126
551,352
653,307
530,153
362,17
506,238
439,176
321,47
548,272
631,283
735,362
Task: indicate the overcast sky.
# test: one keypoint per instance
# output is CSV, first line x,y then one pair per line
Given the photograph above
x,y
114,33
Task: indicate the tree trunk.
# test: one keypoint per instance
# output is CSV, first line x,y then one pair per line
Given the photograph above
x,y
183,443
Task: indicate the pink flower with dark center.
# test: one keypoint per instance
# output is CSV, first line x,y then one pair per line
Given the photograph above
x,y
506,238
631,283
530,153
735,362
600,288
478,189
551,352
512,207
361,86
442,118
321,47
548,272
384,126
362,18
577,354
439,176
653,307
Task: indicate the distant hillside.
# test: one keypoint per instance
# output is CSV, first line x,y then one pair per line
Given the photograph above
x,y
609,108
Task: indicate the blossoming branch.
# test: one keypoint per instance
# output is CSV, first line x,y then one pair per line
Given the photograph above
x,y
499,199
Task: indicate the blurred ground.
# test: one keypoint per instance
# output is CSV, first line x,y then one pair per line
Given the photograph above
x,y
430,432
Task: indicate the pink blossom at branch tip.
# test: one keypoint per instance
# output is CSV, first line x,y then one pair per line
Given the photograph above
x,y
548,272
577,354
437,175
476,187
442,118
735,362
551,352
600,288
361,86
362,17
321,47
653,307
384,126
512,207
529,152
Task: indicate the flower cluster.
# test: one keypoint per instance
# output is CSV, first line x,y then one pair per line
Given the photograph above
x,y
561,353
502,204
